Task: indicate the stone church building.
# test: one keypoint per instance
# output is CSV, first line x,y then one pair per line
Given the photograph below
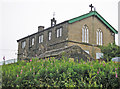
x,y
88,31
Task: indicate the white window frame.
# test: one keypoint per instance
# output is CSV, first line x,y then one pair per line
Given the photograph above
x,y
23,44
85,34
59,32
33,41
99,55
40,38
99,37
82,35
49,35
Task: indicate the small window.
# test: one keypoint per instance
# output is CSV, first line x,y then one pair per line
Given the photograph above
x,y
59,32
23,44
99,55
49,35
40,38
33,41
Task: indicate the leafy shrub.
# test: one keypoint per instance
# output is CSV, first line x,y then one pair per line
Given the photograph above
x,y
60,73
110,51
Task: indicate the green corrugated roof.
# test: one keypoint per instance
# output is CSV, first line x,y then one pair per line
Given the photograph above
x,y
95,14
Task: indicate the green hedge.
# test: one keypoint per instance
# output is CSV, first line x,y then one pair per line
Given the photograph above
x,y
60,73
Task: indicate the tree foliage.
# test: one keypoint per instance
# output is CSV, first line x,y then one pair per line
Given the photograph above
x,y
54,73
110,51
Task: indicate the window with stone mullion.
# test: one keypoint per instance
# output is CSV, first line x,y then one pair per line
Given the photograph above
x,y
59,32
40,38
99,37
85,34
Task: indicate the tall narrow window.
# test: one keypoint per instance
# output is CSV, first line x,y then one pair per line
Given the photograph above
x,y
33,41
23,44
99,37
85,34
59,32
40,38
49,35
82,35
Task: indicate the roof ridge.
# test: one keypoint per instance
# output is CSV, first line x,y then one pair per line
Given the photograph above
x,y
98,16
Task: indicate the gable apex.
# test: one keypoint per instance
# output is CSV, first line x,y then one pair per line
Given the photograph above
x,y
95,14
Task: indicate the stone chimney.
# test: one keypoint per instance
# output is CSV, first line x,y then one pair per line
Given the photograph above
x,y
40,28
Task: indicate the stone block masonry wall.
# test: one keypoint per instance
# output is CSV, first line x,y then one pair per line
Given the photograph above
x,y
74,51
39,48
93,23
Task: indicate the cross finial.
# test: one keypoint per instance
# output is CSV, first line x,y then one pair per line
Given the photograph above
x,y
91,6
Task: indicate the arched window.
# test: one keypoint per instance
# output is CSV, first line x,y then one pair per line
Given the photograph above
x,y
99,37
85,34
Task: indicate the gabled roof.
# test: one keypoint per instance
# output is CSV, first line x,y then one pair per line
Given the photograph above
x,y
77,19
93,13
42,30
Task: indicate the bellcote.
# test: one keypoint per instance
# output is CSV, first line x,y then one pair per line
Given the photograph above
x,y
53,22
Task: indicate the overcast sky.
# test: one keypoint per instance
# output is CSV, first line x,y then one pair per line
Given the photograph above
x,y
20,18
